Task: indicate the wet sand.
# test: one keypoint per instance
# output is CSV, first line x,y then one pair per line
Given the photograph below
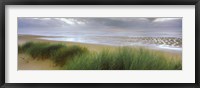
x,y
31,38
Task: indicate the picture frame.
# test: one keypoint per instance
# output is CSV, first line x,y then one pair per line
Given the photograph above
x,y
99,2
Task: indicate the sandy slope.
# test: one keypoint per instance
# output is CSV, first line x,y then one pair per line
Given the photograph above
x,y
27,63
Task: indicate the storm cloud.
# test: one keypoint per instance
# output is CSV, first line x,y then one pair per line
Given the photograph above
x,y
131,23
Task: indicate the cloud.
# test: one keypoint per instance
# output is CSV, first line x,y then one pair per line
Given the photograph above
x,y
39,22
131,23
165,19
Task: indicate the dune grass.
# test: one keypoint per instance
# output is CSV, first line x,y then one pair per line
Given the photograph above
x,y
125,58
122,58
59,53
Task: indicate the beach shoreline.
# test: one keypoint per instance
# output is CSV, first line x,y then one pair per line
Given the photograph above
x,y
38,38
30,64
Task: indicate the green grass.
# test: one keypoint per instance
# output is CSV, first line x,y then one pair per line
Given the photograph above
x,y
125,58
122,58
63,55
59,53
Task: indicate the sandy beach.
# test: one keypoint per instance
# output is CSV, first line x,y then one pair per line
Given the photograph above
x,y
27,38
27,63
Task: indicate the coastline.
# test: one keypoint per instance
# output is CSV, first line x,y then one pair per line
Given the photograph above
x,y
27,38
29,64
92,46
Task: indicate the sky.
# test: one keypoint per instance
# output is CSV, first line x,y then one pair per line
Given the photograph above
x,y
98,24
101,23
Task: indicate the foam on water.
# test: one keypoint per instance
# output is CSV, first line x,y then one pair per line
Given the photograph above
x,y
170,48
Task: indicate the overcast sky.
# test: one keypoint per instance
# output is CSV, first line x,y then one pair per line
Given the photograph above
x,y
96,23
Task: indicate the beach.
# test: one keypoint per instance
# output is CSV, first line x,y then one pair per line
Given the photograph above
x,y
26,63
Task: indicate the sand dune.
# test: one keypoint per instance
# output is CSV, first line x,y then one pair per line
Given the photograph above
x,y
26,62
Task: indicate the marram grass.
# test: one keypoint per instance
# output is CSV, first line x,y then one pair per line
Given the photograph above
x,y
125,58
122,58
59,53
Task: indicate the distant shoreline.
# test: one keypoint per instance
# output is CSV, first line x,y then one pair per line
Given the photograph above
x,y
25,38
32,38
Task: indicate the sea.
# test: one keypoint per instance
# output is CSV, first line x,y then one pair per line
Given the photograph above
x,y
168,39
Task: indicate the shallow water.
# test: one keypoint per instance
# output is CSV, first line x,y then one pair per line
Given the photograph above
x,y
170,43
165,39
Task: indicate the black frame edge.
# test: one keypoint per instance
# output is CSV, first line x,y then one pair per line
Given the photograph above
x,y
197,48
2,44
101,2
98,2
102,85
